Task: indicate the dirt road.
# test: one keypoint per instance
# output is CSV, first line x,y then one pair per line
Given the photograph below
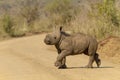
x,y
29,58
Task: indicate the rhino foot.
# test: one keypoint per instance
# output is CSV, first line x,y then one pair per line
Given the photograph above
x,y
57,64
88,66
62,67
98,63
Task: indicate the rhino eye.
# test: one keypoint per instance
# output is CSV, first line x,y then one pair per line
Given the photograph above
x,y
55,37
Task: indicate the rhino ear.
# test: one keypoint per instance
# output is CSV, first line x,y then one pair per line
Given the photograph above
x,y
61,28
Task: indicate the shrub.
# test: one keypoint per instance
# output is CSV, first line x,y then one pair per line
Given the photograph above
x,y
61,12
100,21
29,10
7,24
10,27
107,20
108,10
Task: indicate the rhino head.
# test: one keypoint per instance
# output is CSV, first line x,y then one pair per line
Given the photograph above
x,y
54,37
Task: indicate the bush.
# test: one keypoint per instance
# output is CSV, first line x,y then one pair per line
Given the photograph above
x,y
108,10
10,27
107,20
100,21
7,24
61,12
29,10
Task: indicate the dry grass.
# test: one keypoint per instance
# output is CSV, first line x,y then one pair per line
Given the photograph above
x,y
110,49
99,29
87,19
98,20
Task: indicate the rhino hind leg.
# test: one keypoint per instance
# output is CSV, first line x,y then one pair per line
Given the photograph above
x,y
97,60
91,60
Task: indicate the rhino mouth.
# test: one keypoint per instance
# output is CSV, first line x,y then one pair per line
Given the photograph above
x,y
48,43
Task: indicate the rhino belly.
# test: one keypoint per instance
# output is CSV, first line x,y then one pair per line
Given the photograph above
x,y
75,52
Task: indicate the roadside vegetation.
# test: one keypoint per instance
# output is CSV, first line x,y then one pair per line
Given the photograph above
x,y
100,18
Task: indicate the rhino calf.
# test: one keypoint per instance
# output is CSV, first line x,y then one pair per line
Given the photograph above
x,y
67,44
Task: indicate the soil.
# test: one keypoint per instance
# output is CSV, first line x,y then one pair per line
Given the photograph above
x,y
28,58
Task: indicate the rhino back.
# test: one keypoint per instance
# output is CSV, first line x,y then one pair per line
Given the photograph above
x,y
77,43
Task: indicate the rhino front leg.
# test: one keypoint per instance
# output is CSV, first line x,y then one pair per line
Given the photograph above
x,y
63,66
61,59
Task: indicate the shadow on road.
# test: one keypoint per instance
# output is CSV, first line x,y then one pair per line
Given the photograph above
x,y
92,68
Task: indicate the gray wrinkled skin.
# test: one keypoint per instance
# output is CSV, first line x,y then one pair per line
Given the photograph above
x,y
72,45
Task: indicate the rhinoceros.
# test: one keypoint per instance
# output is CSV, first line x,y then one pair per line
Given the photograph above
x,y
74,44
